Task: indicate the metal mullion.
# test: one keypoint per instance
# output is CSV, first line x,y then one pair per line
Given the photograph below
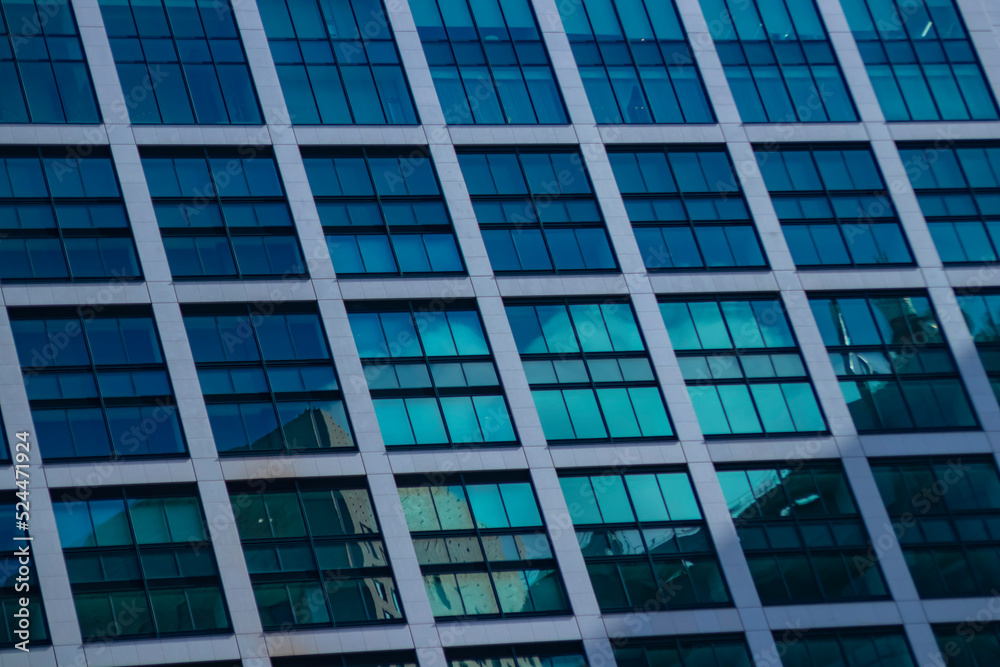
x,y
371,179
479,538
180,66
135,545
20,81
309,536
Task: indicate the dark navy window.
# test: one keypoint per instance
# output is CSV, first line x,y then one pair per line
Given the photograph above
x,y
893,362
366,659
97,383
10,597
522,655
982,314
779,62
962,648
537,212
268,379
383,212
635,61
43,72
488,61
681,651
62,217
873,647
431,374
337,62
589,371
833,206
958,187
687,209
920,60
222,214
180,61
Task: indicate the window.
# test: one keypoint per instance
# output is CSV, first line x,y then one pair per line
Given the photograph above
x,y
383,212
847,648
180,62
315,554
589,372
62,217
920,60
802,534
222,215
833,206
982,314
97,384
687,209
488,62
537,212
949,511
337,62
893,362
482,547
968,644
366,659
140,563
526,655
700,651
743,368
644,540
12,590
268,378
43,70
779,61
958,188
635,62
431,374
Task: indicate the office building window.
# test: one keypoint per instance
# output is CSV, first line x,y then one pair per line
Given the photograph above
x,y
526,655
742,366
180,63
846,648
589,371
958,188
366,659
140,563
537,212
315,553
635,62
222,214
62,217
779,61
951,538
644,540
701,651
15,587
431,374
97,383
337,62
488,62
43,70
920,60
802,535
834,207
687,209
268,378
383,212
982,314
962,648
893,362
482,547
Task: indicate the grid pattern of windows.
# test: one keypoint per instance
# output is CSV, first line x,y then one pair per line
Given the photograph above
x,y
920,60
431,374
644,540
982,315
180,61
337,62
949,513
369,659
635,62
62,217
589,371
537,212
482,547
704,651
315,554
969,644
519,655
97,385
802,534
268,378
11,589
742,366
383,213
893,362
222,214
488,61
833,206
42,67
140,563
779,61
887,648
959,193
687,209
